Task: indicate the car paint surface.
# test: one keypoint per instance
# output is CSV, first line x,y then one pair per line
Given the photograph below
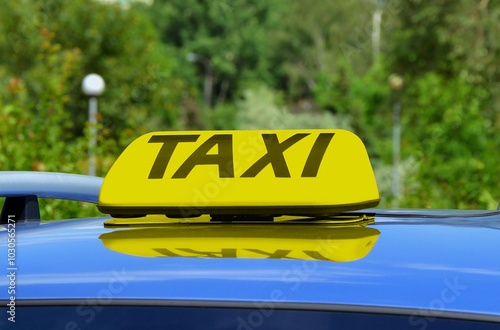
x,y
425,263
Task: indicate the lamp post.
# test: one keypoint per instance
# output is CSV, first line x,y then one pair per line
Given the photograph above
x,y
209,78
396,82
92,86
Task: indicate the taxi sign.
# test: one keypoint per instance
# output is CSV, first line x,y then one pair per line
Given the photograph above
x,y
264,241
184,174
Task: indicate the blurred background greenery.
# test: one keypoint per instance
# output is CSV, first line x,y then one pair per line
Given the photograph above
x,y
261,64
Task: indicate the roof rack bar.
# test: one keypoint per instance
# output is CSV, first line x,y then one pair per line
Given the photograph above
x,y
22,190
74,187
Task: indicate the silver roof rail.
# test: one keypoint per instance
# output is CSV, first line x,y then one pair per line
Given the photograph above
x,y
22,190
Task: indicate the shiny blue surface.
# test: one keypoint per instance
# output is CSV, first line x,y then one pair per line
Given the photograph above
x,y
76,187
448,264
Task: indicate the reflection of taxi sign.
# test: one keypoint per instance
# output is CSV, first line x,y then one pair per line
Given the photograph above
x,y
305,242
241,172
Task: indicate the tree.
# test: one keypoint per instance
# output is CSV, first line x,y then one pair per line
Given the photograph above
x,y
449,56
46,48
121,45
447,132
229,42
319,38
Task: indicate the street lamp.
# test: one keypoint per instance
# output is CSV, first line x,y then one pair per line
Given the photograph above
x,y
396,82
92,86
209,78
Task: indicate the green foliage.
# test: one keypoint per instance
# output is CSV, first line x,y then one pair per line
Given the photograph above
x,y
121,45
40,125
262,109
222,116
319,37
448,37
453,142
449,56
46,48
228,41
364,98
424,47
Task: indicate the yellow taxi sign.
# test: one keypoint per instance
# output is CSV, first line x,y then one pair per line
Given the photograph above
x,y
303,242
185,174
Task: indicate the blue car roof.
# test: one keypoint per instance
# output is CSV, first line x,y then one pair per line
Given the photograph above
x,y
423,261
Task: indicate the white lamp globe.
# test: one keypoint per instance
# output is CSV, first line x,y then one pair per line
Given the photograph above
x,y
93,85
